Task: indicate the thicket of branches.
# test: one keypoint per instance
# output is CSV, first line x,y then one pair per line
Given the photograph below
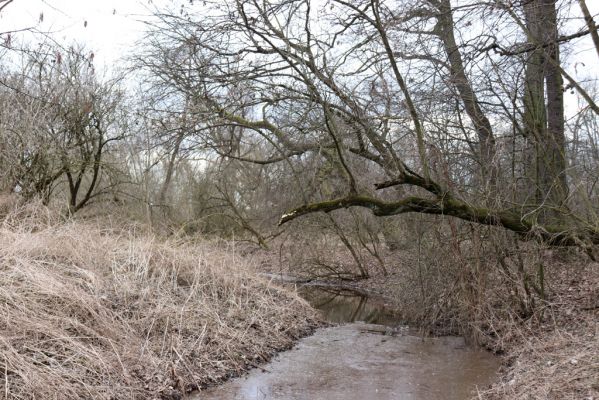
x,y
438,108
249,113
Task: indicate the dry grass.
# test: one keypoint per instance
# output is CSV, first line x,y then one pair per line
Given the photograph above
x,y
89,312
555,354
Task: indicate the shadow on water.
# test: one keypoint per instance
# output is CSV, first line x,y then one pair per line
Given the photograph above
x,y
370,359
341,305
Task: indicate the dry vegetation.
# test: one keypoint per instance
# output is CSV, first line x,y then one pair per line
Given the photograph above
x,y
224,123
555,354
481,283
107,313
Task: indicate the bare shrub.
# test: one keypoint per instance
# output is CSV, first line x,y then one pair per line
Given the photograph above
x,y
8,202
554,355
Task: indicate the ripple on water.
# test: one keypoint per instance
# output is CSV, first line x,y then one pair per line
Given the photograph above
x,y
355,361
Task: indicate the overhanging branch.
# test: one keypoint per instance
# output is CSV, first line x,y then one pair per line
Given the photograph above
x,y
553,235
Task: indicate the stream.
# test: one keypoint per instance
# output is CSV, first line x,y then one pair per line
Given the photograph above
x,y
367,356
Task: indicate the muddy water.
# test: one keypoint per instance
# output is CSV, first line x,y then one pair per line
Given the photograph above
x,y
359,361
340,306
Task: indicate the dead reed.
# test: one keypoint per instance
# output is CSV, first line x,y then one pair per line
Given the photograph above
x,y
89,312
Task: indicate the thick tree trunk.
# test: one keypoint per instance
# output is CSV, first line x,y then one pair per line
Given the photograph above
x,y
544,110
482,126
554,174
513,220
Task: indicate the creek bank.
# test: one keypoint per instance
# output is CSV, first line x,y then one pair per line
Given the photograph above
x,y
555,353
371,295
357,286
551,354
358,360
91,312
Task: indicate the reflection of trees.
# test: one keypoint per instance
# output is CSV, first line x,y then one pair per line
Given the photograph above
x,y
342,305
360,307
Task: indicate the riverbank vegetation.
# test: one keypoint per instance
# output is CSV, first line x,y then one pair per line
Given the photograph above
x,y
94,311
545,330
442,153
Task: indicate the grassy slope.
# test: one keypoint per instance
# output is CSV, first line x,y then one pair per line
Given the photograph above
x,y
105,314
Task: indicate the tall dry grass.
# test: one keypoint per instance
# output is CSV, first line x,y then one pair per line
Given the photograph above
x,y
90,312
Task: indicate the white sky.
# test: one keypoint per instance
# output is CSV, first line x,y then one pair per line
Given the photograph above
x,y
113,26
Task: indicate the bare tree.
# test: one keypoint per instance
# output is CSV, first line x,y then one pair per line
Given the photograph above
x,y
63,120
388,88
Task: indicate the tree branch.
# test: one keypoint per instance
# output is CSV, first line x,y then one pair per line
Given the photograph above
x,y
554,235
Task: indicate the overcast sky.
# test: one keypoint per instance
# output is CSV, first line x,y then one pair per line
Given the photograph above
x,y
108,27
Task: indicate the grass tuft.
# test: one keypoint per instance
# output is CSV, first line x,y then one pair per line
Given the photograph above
x,y
110,313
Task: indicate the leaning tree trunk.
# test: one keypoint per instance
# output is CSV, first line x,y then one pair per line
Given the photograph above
x,y
588,18
470,101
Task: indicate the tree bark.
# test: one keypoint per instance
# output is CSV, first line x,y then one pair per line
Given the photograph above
x,y
482,126
544,110
554,182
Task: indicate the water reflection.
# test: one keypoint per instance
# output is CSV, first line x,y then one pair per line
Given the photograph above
x,y
339,306
354,361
